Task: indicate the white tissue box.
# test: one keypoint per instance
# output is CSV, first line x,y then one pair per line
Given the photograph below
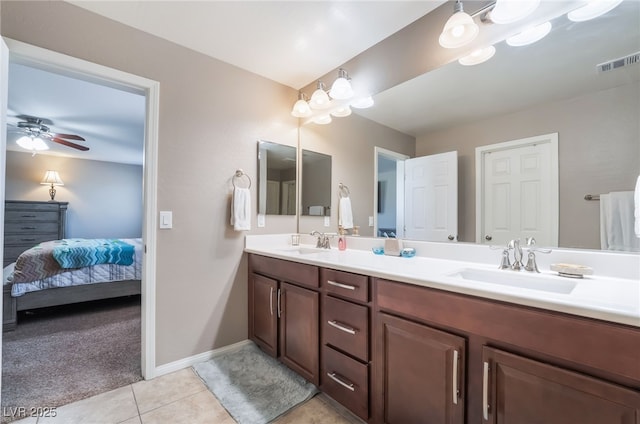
x,y
392,247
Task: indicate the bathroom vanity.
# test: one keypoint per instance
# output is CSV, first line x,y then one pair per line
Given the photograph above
x,y
407,340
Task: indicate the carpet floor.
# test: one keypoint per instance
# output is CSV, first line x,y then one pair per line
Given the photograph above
x,y
60,355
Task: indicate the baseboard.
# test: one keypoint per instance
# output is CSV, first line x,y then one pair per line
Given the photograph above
x,y
201,357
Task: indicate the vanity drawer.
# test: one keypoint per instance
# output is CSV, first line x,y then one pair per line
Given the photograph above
x,y
347,381
32,227
345,284
346,327
292,272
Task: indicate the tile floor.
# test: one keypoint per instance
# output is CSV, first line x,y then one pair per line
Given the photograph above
x,y
179,397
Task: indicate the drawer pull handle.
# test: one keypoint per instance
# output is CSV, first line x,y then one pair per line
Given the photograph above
x,y
342,327
28,216
279,305
342,286
340,381
271,300
485,391
455,377
28,239
27,228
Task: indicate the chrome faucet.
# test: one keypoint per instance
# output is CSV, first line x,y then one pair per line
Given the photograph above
x,y
323,240
517,254
531,265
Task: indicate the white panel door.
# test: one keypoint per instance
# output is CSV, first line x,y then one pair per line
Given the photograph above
x,y
519,194
431,197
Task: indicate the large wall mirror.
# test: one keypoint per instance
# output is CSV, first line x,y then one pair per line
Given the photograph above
x,y
276,179
316,184
552,86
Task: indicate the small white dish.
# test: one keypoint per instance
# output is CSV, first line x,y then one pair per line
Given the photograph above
x,y
571,270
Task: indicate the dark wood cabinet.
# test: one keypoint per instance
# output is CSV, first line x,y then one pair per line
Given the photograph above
x,y
284,313
421,373
520,390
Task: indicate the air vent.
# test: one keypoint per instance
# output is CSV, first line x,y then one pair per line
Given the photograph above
x,y
619,63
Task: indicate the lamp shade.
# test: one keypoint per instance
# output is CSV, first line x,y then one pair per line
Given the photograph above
x,y
52,178
320,98
459,30
301,109
508,11
341,88
478,56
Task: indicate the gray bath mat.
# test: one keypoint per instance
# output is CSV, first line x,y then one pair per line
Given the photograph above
x,y
252,386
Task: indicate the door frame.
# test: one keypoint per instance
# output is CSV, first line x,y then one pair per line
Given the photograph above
x,y
27,54
552,140
398,158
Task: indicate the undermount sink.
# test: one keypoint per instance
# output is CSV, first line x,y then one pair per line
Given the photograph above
x,y
305,250
516,279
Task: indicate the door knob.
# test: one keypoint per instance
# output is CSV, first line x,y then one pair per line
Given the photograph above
x,y
488,237
451,237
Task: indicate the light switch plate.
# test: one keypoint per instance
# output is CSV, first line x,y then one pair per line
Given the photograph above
x,y
260,220
370,221
166,219
327,221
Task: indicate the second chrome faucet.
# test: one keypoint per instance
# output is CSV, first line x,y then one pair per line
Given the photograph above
x,y
517,264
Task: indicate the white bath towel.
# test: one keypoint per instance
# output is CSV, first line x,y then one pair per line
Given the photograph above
x,y
316,210
241,209
616,222
636,210
345,215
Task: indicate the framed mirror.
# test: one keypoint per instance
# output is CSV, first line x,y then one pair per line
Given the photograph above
x,y
315,184
277,167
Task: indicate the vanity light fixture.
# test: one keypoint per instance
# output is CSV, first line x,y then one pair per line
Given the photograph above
x,y
362,103
530,35
478,56
32,143
52,177
459,30
301,108
509,11
341,88
341,111
593,9
320,98
322,120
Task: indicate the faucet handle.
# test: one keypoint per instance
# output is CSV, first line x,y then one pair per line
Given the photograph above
x,y
531,244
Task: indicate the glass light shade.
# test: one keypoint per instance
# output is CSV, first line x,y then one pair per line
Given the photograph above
x,y
508,11
301,109
341,111
52,177
593,9
478,56
459,30
530,35
323,120
362,103
319,99
32,143
341,89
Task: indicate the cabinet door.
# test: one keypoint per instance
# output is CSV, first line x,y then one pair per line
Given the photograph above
x,y
263,313
422,371
520,390
299,336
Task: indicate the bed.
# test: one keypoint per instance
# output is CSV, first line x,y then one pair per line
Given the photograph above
x,y
35,281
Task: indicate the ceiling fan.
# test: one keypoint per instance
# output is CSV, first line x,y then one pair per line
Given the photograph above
x,y
35,132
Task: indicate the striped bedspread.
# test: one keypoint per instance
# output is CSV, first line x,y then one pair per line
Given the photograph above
x,y
78,253
88,275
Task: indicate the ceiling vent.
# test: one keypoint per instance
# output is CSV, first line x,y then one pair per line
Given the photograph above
x,y
619,63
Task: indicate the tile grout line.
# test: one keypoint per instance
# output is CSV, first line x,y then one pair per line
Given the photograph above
x,y
133,392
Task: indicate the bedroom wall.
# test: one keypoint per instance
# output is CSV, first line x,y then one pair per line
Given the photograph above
x,y
105,198
207,129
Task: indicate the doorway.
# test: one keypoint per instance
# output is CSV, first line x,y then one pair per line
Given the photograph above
x,y
76,68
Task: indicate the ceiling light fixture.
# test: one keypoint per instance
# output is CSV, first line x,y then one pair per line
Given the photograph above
x,y
478,56
32,143
530,35
459,30
593,9
509,11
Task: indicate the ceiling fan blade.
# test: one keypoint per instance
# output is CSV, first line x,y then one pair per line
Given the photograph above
x,y
69,144
69,136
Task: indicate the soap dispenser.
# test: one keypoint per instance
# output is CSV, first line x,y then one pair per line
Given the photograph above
x,y
342,239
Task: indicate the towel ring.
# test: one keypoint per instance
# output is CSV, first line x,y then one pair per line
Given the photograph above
x,y
344,190
238,177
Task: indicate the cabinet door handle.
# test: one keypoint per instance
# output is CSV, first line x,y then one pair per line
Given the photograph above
x,y
271,300
342,286
342,327
340,381
485,391
455,377
279,309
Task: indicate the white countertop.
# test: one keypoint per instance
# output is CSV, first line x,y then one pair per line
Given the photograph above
x,y
599,296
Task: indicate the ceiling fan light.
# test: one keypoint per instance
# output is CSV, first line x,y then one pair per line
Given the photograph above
x,y
478,56
362,103
323,120
341,112
530,35
592,10
459,30
25,142
341,88
509,11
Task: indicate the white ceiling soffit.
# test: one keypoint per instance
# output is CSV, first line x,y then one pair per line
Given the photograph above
x,y
112,121
291,42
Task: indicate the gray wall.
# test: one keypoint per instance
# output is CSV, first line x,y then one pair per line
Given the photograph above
x,y
105,199
207,130
599,152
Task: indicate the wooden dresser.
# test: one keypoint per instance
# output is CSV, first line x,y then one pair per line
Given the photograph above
x,y
27,223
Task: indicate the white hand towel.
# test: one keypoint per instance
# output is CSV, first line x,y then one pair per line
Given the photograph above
x,y
636,211
617,220
241,209
345,215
